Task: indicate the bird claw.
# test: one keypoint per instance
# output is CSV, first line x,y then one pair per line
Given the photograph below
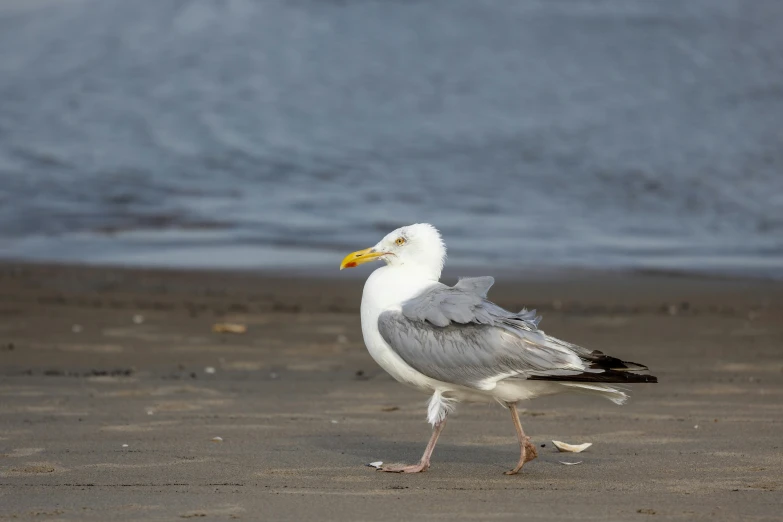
x,y
402,468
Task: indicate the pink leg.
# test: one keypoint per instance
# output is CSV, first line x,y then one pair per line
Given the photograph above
x,y
424,463
527,451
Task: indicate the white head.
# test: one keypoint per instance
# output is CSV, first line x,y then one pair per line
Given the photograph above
x,y
418,246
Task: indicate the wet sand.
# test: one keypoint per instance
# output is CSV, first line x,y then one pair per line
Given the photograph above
x,y
94,359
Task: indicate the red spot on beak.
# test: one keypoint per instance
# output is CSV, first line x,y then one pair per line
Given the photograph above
x,y
352,264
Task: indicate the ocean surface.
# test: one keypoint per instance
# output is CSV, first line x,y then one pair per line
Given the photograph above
x,y
619,134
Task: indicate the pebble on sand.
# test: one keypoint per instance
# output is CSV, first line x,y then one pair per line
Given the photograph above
x,y
233,328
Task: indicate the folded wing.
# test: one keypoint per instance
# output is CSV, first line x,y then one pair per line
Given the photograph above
x,y
454,334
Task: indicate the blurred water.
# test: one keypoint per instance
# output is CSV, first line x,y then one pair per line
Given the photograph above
x,y
239,133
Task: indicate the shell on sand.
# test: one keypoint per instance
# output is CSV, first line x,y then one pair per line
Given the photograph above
x,y
229,328
571,448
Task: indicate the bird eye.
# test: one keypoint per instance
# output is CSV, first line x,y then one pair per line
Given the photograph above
x,y
400,241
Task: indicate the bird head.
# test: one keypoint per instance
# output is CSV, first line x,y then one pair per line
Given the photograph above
x,y
418,247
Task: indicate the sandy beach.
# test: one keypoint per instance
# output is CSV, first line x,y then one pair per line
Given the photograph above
x,y
113,388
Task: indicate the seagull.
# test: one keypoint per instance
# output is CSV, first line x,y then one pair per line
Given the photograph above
x,y
452,342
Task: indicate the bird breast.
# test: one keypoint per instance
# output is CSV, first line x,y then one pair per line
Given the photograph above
x,y
386,289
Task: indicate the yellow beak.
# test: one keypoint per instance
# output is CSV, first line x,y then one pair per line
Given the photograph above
x,y
360,257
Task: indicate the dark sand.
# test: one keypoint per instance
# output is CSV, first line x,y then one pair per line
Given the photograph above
x,y
301,407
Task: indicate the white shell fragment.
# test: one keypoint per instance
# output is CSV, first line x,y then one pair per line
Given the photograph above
x,y
209,369
377,464
124,445
570,463
571,448
217,439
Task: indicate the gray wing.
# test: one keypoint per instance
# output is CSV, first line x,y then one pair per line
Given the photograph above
x,y
454,334
463,303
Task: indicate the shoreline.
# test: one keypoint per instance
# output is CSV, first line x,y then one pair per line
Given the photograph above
x,y
329,270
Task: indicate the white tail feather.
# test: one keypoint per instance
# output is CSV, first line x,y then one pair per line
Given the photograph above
x,y
613,394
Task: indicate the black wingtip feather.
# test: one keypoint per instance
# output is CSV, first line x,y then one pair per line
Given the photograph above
x,y
610,376
600,361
